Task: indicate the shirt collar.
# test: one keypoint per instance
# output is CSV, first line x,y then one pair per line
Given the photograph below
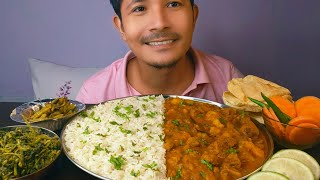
x,y
201,75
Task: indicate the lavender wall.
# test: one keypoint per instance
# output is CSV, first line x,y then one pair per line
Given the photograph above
x,y
277,40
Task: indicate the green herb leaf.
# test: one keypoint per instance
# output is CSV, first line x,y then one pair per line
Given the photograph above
x,y
135,174
115,123
223,121
178,175
176,122
232,151
125,131
96,149
86,131
203,175
151,114
118,162
209,165
83,114
151,166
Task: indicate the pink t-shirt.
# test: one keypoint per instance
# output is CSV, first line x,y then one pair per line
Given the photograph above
x,y
212,74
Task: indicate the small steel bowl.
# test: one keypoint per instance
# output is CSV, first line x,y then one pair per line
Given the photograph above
x,y
280,134
40,172
53,124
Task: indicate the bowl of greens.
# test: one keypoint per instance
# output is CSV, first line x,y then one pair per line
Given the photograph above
x,y
27,152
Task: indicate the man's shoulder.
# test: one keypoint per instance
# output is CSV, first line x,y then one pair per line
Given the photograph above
x,y
211,59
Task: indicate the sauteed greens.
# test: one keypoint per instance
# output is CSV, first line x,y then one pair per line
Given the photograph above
x,y
26,150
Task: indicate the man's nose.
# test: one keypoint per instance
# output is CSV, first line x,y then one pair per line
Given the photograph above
x,y
159,19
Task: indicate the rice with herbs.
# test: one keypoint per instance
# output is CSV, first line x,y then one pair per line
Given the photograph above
x,y
120,139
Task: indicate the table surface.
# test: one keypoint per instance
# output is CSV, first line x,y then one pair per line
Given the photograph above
x,y
65,169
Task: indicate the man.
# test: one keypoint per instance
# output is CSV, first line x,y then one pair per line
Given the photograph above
x,y
161,60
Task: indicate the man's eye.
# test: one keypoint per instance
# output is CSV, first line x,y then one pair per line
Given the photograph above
x,y
173,4
138,9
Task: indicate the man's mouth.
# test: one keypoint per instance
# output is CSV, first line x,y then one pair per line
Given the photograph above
x,y
159,43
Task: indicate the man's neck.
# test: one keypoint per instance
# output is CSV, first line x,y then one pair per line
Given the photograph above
x,y
171,80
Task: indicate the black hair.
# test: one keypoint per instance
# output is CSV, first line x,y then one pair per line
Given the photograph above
x,y
116,4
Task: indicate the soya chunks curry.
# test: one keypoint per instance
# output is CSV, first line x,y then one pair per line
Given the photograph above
x,y
204,141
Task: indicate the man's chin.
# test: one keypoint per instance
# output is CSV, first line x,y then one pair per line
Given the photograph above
x,y
163,65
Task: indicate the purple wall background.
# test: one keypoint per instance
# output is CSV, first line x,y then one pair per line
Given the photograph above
x,y
277,40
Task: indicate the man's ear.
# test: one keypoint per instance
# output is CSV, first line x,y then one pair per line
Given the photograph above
x,y
118,24
195,14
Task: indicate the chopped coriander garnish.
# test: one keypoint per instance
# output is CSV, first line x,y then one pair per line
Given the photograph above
x,y
133,144
176,122
200,115
152,97
189,150
209,165
135,174
145,128
178,175
232,151
161,137
242,113
182,103
83,114
118,162
181,143
121,147
203,141
86,131
151,114
96,149
129,109
145,149
102,135
151,166
115,123
144,107
125,131
137,152
203,174
136,113
78,125
223,121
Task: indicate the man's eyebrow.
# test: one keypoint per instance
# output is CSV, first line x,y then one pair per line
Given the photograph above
x,y
132,2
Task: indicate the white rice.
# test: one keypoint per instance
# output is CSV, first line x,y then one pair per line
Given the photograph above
x,y
91,143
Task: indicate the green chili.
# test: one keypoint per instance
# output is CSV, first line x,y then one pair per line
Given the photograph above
x,y
284,118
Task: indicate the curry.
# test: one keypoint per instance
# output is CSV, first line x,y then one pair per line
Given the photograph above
x,y
204,141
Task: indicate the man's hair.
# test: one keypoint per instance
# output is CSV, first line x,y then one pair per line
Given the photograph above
x,y
116,4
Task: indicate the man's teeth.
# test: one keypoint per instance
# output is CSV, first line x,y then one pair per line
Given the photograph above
x,y
160,43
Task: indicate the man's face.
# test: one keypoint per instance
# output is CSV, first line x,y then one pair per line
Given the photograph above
x,y
159,32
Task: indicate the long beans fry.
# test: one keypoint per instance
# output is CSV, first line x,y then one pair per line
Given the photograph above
x,y
55,109
23,151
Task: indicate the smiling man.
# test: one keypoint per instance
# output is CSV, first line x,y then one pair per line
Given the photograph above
x,y
161,59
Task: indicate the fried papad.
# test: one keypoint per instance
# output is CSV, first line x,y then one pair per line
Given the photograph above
x,y
239,89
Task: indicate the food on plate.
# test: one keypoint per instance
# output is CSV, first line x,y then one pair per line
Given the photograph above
x,y
239,89
152,137
303,157
119,139
54,109
25,150
205,141
288,123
